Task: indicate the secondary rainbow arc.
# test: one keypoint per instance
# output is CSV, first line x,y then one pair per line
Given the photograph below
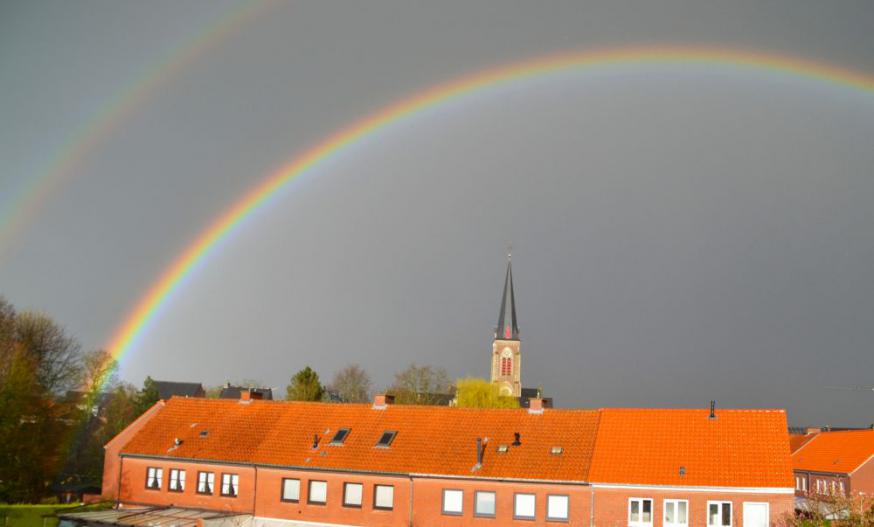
x,y
146,309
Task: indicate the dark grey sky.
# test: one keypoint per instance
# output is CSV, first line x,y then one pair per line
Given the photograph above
x,y
680,234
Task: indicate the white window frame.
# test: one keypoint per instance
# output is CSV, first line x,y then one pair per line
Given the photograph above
x,y
283,495
641,522
208,480
721,505
154,474
453,512
676,503
525,495
476,503
230,485
353,504
550,511
377,492
177,483
310,492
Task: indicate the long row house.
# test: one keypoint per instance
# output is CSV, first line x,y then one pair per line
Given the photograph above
x,y
248,462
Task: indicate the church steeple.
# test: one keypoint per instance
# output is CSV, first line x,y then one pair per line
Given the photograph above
x,y
507,328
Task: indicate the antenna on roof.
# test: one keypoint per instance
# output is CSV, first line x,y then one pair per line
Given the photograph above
x,y
712,409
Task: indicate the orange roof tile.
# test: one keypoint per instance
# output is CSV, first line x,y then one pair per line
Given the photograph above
x,y
430,440
797,441
841,452
739,448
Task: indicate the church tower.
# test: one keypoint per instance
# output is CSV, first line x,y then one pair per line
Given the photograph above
x,y
506,357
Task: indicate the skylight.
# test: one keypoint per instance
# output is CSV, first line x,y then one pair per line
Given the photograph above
x,y
340,436
503,449
386,438
556,450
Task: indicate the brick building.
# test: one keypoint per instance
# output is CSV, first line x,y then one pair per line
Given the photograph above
x,y
835,463
266,463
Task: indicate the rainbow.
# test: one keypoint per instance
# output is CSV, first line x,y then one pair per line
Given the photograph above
x,y
147,308
25,203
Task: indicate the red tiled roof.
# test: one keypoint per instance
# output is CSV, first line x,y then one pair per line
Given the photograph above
x,y
841,452
430,440
797,441
739,448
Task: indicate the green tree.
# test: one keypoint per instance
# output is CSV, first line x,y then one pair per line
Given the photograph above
x,y
352,384
305,386
479,393
148,396
421,385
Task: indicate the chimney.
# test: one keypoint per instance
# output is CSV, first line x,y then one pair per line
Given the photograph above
x,y
382,400
812,430
480,450
535,405
245,394
712,409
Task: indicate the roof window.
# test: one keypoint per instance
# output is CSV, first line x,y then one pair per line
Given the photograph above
x,y
340,436
503,449
556,450
204,433
386,438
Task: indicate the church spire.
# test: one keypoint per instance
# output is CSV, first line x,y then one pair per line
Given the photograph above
x,y
507,328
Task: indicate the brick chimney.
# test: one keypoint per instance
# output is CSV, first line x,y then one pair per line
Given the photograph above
x,y
535,405
382,400
245,394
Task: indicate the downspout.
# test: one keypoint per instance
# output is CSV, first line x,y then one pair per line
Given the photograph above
x,y
411,501
118,487
592,508
255,492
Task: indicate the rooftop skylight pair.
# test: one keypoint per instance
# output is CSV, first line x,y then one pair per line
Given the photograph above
x,y
384,440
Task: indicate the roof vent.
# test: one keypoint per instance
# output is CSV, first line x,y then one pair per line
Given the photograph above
x,y
682,470
315,441
204,433
517,439
556,450
712,409
177,441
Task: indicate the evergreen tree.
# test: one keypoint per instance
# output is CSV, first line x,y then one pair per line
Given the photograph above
x,y
305,386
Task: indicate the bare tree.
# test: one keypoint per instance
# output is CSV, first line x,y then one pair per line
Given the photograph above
x,y
55,354
352,384
421,385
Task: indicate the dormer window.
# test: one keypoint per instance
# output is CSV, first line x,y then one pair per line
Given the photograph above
x,y
386,438
340,436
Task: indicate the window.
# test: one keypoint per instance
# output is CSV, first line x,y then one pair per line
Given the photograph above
x,y
230,484
523,506
205,482
639,512
841,488
676,513
506,366
318,492
452,501
386,438
819,486
352,494
557,508
177,480
484,504
340,436
719,513
383,497
290,490
804,483
154,476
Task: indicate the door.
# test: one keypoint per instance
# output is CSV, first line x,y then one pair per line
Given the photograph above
x,y
755,515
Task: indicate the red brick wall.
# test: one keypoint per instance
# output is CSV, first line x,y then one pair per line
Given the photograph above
x,y
862,480
428,501
111,460
611,505
134,491
269,504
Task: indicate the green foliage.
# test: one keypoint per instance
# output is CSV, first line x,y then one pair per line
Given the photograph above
x,y
40,515
480,393
305,386
148,396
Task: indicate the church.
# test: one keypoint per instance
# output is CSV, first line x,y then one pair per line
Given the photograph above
x,y
506,349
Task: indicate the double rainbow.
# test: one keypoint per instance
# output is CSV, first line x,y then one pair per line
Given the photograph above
x,y
125,338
